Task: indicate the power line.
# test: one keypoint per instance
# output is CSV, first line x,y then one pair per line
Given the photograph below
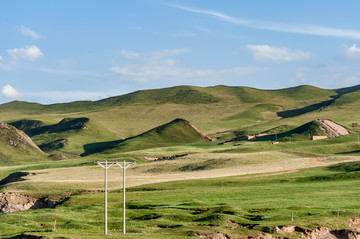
x,y
106,165
124,165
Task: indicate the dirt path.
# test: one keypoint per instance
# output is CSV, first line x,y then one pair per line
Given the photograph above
x,y
316,161
92,177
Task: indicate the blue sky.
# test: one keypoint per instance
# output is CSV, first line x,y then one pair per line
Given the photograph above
x,y
62,51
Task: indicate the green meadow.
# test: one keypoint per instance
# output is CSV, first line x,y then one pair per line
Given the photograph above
x,y
233,205
182,186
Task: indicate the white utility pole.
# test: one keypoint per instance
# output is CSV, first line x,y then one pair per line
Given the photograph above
x,y
105,165
124,165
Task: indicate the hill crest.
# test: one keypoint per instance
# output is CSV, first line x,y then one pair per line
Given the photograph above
x,y
176,132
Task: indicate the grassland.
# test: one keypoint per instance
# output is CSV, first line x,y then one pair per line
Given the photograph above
x,y
234,205
186,188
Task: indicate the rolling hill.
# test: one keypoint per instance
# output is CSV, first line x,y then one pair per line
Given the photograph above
x,y
176,132
319,127
139,127
17,147
69,135
220,111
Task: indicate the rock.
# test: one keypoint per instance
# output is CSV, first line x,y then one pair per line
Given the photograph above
x,y
12,202
319,232
354,223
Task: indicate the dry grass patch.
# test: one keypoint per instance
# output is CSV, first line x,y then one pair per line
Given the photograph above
x,y
195,166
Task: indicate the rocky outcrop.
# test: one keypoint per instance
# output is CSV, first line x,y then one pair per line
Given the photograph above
x,y
319,232
354,223
203,136
16,138
287,232
12,202
220,235
332,129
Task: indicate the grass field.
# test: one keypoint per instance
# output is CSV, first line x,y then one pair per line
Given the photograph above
x,y
182,187
233,205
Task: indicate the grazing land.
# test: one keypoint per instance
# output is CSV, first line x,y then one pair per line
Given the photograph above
x,y
196,176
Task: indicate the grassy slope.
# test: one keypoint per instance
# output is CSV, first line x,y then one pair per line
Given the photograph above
x,y
182,204
17,147
76,131
219,111
176,132
236,206
217,108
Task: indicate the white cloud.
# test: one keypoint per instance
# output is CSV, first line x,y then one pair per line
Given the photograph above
x,y
28,53
280,27
29,33
268,53
129,54
349,53
1,58
158,66
9,91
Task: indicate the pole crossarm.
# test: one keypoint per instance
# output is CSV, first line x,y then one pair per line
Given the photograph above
x,y
107,164
124,164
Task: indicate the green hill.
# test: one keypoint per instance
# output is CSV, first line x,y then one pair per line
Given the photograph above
x,y
305,131
69,135
313,128
305,92
187,95
348,100
176,132
27,125
17,147
175,95
215,109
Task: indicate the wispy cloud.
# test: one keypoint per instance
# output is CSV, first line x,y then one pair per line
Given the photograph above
x,y
60,71
274,26
68,96
25,31
129,54
349,53
163,66
9,91
28,53
268,53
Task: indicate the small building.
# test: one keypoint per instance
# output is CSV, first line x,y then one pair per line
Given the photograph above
x,y
250,137
318,137
261,135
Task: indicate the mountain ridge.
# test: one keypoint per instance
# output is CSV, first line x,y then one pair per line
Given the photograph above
x,y
179,95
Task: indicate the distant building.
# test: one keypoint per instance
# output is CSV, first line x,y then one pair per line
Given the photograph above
x,y
250,137
260,135
318,137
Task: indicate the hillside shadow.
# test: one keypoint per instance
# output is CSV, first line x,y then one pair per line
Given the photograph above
x,y
13,177
306,109
317,106
65,124
350,152
99,147
24,236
